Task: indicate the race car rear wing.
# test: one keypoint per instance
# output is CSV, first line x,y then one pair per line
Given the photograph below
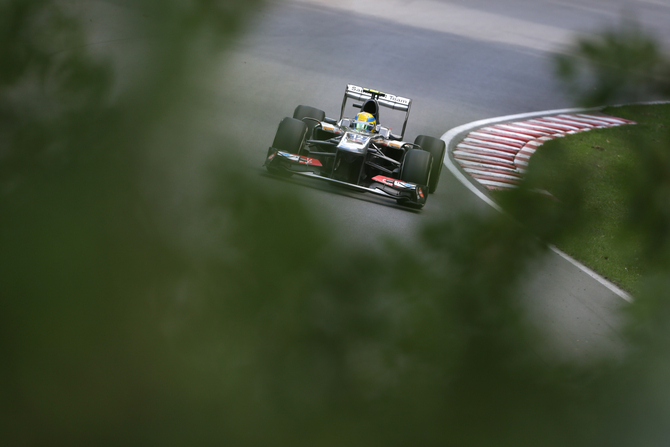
x,y
383,99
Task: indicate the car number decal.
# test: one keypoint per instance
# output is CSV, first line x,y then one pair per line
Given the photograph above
x,y
356,138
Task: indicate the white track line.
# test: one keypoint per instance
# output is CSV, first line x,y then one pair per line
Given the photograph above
x,y
455,132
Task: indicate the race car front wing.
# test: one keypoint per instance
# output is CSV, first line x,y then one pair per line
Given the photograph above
x,y
403,192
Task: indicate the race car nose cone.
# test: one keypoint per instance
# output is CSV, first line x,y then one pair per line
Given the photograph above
x,y
354,142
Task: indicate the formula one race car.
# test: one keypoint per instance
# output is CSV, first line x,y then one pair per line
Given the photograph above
x,y
359,152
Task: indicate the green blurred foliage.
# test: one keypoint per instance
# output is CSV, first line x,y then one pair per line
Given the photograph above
x,y
623,64
118,326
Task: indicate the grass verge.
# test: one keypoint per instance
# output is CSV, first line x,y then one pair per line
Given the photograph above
x,y
603,164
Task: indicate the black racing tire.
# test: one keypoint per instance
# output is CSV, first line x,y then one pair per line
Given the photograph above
x,y
290,137
437,149
416,167
309,112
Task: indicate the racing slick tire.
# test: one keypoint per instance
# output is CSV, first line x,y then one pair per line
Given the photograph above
x,y
437,149
416,167
309,112
290,137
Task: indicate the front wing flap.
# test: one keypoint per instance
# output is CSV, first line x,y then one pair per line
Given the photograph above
x,y
404,192
291,162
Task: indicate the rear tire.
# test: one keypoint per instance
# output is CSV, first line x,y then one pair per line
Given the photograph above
x,y
309,112
290,136
437,148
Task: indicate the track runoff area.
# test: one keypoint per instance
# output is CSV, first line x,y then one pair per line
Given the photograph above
x,y
494,154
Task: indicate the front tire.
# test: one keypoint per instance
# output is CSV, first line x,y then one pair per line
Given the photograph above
x,y
437,149
416,167
290,137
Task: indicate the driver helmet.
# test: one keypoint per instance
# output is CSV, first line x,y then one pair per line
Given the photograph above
x,y
365,121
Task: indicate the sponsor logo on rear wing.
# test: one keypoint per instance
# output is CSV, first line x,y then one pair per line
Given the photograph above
x,y
384,99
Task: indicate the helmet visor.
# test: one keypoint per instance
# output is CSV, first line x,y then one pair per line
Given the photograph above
x,y
364,125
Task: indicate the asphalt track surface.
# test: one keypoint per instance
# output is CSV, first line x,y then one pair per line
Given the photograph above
x,y
460,61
